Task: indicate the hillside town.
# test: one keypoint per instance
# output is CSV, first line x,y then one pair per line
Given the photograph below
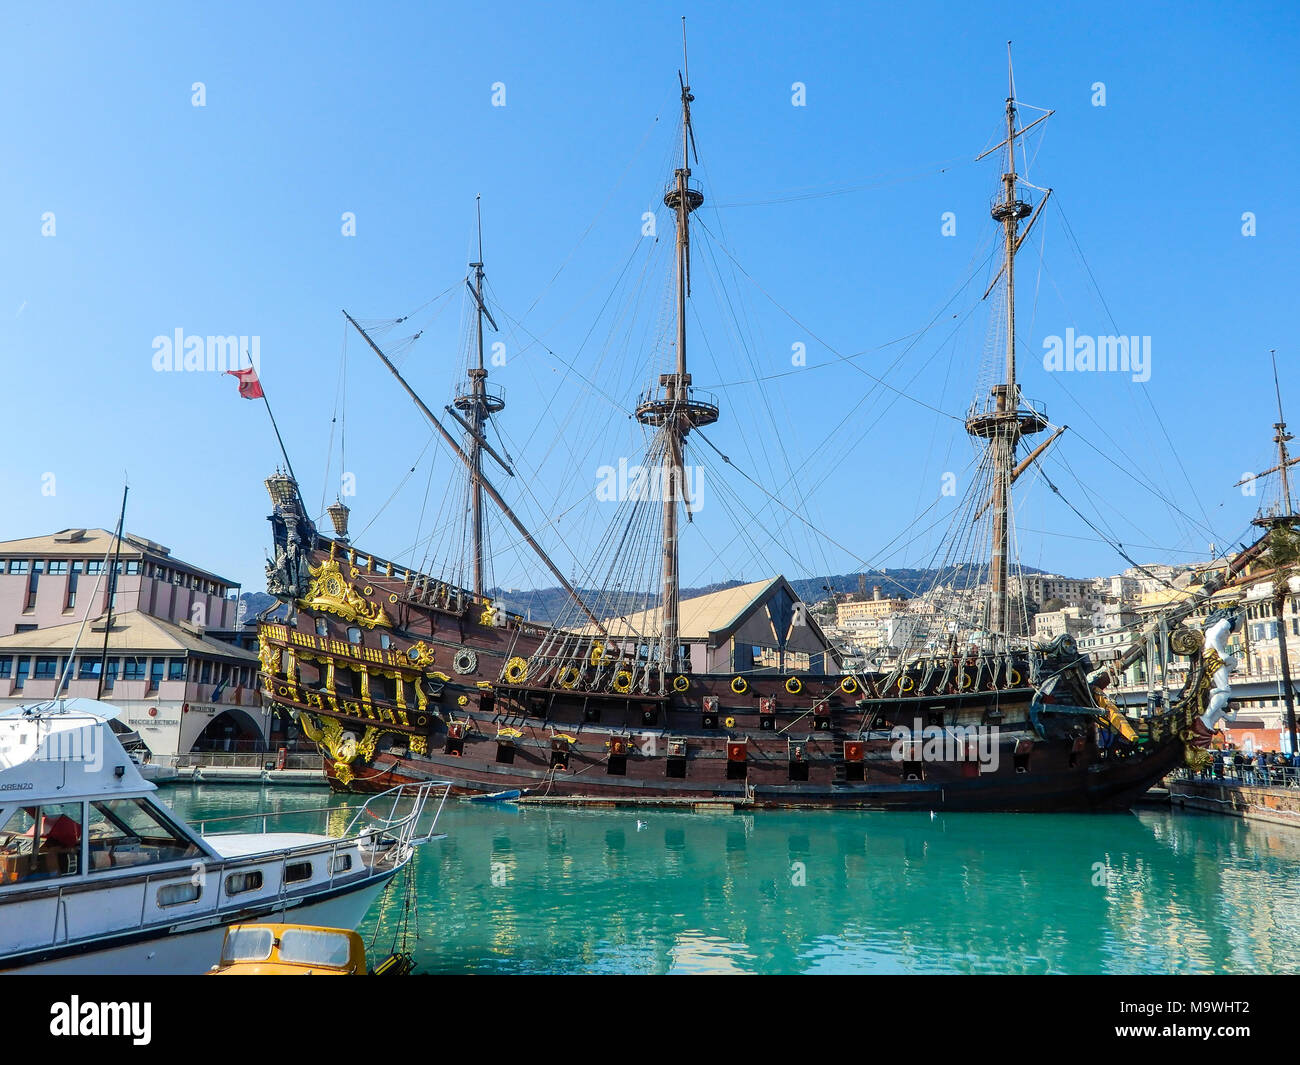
x,y
873,629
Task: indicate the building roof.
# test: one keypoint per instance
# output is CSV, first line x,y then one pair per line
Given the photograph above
x,y
91,543
703,616
133,631
697,617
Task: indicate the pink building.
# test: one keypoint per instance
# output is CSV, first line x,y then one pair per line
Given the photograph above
x,y
44,581
177,685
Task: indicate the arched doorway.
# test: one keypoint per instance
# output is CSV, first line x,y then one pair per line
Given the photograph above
x,y
232,732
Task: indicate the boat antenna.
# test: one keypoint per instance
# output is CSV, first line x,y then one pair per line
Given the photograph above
x,y
112,591
85,616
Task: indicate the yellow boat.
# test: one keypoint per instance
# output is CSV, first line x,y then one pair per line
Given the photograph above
x,y
300,950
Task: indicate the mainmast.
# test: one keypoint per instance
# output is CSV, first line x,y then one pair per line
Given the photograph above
x,y
1003,421
479,404
673,410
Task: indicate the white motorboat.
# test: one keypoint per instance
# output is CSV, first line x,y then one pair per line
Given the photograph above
x,y
97,876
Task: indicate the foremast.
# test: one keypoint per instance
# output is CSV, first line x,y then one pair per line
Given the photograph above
x,y
671,408
478,404
1001,419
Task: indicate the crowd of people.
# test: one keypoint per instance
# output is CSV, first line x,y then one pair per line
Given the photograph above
x,y
1257,767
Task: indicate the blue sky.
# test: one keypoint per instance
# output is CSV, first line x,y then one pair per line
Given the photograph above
x,y
226,219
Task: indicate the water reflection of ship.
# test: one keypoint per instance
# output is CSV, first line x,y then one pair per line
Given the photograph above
x,y
582,891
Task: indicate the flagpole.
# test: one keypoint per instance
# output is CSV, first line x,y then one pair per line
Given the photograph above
x,y
278,438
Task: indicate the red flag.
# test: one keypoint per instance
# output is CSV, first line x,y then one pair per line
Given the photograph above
x,y
249,386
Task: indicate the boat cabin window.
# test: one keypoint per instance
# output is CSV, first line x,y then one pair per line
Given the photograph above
x,y
296,872
126,832
178,894
238,883
247,944
309,947
41,843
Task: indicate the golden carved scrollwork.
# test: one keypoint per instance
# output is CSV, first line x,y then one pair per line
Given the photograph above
x,y
420,654
340,746
268,653
331,592
1184,641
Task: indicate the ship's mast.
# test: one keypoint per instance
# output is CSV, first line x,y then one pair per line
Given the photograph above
x,y
1005,422
673,410
479,405
1282,438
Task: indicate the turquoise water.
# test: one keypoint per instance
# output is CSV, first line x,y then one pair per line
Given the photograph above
x,y
562,890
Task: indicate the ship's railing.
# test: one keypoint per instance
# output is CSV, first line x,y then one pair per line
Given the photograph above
x,y
384,813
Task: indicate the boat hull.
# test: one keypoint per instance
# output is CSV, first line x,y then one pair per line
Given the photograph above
x,y
1104,785
179,950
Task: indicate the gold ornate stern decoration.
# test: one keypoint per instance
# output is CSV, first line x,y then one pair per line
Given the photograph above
x,y
341,746
331,592
269,655
420,654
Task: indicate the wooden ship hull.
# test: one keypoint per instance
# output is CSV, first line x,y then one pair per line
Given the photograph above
x,y
398,678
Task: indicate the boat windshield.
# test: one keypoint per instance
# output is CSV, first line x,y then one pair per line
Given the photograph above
x,y
311,947
247,944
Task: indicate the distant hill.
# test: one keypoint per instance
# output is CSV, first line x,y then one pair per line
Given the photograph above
x,y
546,604
549,604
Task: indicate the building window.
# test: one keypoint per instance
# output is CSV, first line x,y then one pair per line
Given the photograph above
x,y
205,675
133,567
57,567
156,667
18,565
72,586
6,667
24,667
47,667
94,567
32,582
354,635
176,669
133,668
89,669
385,641
111,676
322,627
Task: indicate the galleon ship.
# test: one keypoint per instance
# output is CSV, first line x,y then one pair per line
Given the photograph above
x,y
400,675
